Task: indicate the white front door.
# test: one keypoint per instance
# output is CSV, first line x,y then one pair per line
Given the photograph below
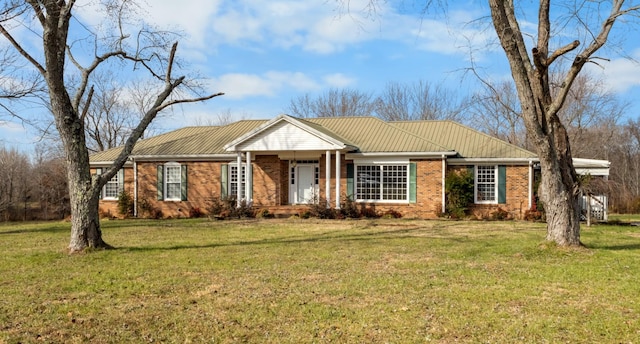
x,y
304,190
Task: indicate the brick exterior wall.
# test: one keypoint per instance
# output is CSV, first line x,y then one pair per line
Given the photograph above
x,y
517,192
271,188
109,207
517,195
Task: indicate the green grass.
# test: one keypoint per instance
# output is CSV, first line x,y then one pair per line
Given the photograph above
x,y
302,281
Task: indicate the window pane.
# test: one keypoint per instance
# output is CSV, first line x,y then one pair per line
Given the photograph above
x,y
486,183
173,182
394,182
233,181
368,182
112,187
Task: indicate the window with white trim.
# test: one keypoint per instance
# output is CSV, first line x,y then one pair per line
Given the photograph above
x,y
486,184
172,181
233,180
382,182
112,188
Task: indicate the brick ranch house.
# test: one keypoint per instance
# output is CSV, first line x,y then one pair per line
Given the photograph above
x,y
285,163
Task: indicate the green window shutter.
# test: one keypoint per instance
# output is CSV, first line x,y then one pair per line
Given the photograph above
x,y
224,181
413,177
99,172
502,184
471,172
183,182
350,183
160,182
120,181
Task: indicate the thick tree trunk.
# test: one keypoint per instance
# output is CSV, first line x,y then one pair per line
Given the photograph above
x,y
85,224
561,203
84,195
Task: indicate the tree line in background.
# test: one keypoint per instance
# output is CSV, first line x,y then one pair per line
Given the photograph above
x,y
34,187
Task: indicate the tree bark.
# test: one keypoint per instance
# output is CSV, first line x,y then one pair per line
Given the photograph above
x,y
559,184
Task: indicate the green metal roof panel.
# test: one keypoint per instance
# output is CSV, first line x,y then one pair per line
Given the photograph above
x,y
469,143
372,134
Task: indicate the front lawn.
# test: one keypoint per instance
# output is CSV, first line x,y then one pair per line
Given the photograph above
x,y
302,281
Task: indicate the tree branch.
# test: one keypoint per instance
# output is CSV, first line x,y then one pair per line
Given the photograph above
x,y
22,52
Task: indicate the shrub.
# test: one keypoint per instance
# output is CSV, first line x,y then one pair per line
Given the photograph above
x,y
264,214
369,212
320,210
458,193
147,210
392,214
227,207
349,208
533,215
125,204
195,212
500,214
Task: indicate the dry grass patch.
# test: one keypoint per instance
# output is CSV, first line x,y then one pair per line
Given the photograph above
x,y
292,281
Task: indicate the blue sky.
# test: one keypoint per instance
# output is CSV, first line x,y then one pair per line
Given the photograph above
x,y
262,54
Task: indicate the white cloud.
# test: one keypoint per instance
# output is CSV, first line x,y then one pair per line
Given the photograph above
x,y
269,84
338,80
620,74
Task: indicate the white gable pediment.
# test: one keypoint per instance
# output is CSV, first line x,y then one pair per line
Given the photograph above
x,y
285,134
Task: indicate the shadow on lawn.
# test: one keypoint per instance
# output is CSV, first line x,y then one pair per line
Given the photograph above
x,y
382,235
627,247
48,229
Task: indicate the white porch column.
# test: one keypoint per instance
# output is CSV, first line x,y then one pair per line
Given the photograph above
x,y
337,179
327,174
239,179
248,181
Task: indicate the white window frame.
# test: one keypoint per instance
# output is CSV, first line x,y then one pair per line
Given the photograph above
x,y
381,192
477,182
167,167
113,181
233,180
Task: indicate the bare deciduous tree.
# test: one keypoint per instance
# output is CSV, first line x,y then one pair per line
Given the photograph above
x,y
530,69
61,56
419,101
333,103
496,111
541,107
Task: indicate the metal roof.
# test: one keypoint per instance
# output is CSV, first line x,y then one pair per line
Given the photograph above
x,y
365,134
469,143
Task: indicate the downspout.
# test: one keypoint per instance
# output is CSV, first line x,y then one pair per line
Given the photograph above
x,y
530,183
135,187
444,175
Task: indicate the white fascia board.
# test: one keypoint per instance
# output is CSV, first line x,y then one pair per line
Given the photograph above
x,y
391,155
592,171
491,161
192,157
108,163
590,163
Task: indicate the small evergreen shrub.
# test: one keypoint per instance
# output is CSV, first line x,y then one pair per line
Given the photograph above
x,y
125,204
458,193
